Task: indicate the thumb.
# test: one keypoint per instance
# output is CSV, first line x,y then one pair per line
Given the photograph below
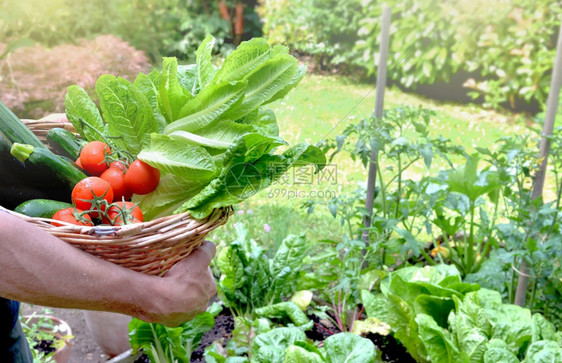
x,y
198,259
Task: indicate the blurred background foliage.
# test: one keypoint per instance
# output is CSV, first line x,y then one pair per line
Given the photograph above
x,y
507,44
502,50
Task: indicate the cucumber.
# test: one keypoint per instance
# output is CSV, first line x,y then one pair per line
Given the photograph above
x,y
15,130
64,142
19,183
46,164
41,208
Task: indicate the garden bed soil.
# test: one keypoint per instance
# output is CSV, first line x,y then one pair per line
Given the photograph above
x,y
84,348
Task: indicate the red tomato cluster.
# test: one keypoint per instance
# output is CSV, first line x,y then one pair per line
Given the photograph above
x,y
104,195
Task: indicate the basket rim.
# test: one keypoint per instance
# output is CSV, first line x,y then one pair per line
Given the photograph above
x,y
108,232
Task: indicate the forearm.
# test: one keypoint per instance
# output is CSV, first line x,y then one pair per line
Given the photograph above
x,y
41,269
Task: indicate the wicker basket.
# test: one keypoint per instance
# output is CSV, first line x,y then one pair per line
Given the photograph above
x,y
151,247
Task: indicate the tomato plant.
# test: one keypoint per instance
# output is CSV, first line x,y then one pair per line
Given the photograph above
x,y
123,213
115,176
93,157
141,178
71,215
92,193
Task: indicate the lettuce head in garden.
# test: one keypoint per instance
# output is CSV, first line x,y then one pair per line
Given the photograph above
x,y
205,128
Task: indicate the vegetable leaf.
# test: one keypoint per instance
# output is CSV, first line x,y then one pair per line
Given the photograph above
x,y
264,82
348,347
172,96
208,107
79,105
180,158
127,113
238,64
205,69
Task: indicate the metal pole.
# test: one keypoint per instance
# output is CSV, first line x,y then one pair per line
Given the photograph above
x,y
538,183
379,100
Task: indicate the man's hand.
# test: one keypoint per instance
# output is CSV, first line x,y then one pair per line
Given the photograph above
x,y
40,269
184,291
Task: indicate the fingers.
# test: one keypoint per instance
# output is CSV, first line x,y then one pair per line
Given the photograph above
x,y
197,260
208,249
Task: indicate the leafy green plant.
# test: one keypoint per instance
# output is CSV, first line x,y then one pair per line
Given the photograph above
x,y
164,344
250,279
439,318
40,329
403,144
289,344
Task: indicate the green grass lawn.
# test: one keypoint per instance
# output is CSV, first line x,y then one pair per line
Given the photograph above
x,y
321,107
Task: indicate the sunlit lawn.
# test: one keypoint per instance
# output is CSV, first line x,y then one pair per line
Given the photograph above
x,y
321,107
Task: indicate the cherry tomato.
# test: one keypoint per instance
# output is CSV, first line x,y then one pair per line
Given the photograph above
x,y
92,193
115,176
79,162
71,215
93,156
141,178
123,211
118,164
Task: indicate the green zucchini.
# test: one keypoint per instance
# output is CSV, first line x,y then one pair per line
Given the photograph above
x,y
15,130
41,208
64,142
45,161
19,183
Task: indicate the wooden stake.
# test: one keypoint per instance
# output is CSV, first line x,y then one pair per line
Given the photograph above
x,y
538,183
379,100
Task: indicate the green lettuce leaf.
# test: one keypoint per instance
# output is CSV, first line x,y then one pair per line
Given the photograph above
x,y
169,195
262,120
301,72
298,354
127,113
79,105
148,85
171,95
347,347
220,136
208,107
187,76
264,82
205,69
242,179
184,160
544,351
164,344
284,309
438,342
270,347
247,57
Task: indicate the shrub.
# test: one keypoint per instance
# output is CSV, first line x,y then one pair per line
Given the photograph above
x,y
326,29
510,44
34,79
160,28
